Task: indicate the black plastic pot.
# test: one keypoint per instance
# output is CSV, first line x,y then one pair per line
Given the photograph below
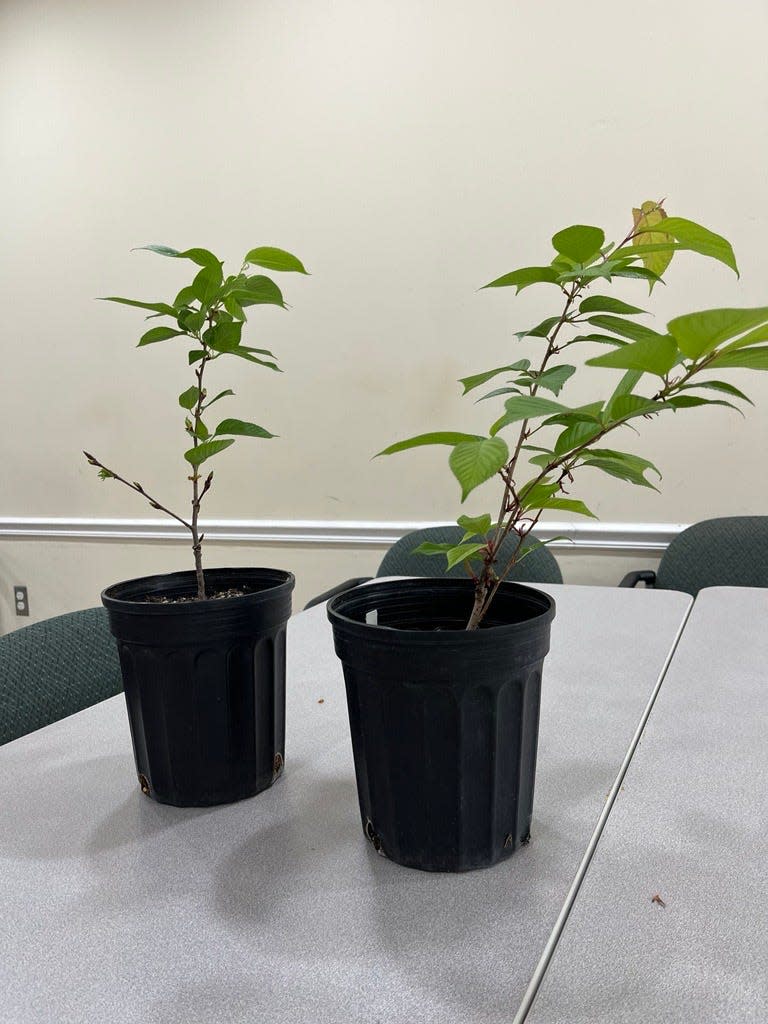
x,y
444,722
204,682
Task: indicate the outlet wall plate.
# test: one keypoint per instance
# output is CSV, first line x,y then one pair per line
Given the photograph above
x,y
21,600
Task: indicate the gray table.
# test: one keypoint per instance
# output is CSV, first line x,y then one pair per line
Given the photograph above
x,y
691,826
117,909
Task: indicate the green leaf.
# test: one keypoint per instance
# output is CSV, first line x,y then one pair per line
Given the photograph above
x,y
191,320
719,385
568,505
627,328
185,297
542,460
201,431
627,383
633,251
196,355
241,429
629,406
261,351
162,250
462,553
701,240
636,462
699,333
532,494
591,273
478,379
202,257
606,304
245,352
429,547
188,399
750,358
540,330
206,284
598,339
581,414
580,242
475,525
575,436
750,338
499,391
259,290
652,355
642,273
158,334
656,246
221,394
156,307
524,277
474,462
234,308
448,437
691,401
620,471
275,259
621,465
198,455
224,337
555,377
525,407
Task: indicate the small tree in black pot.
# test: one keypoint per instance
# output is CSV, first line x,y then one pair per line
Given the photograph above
x,y
456,792
203,652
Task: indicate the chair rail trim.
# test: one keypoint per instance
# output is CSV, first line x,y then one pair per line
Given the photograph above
x,y
601,536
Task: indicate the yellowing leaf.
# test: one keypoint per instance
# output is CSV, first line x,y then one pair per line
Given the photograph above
x,y
649,215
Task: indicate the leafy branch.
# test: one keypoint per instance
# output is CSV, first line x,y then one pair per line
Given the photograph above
x,y
210,313
717,339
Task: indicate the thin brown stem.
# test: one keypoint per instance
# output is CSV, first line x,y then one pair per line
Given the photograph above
x,y
136,487
500,577
197,494
487,582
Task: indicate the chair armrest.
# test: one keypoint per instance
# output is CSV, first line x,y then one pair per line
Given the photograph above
x,y
338,589
647,576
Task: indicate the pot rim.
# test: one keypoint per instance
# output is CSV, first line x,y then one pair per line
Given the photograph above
x,y
362,595
278,583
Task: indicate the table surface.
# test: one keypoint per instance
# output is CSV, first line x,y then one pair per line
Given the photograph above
x,y
115,908
691,826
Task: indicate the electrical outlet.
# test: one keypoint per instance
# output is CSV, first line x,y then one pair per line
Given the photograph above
x,y
21,600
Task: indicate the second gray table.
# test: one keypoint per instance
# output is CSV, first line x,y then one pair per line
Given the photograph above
x,y
671,924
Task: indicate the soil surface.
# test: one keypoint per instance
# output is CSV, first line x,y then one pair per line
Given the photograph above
x,y
219,595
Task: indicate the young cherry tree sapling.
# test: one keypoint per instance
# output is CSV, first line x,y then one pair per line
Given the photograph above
x,y
664,372
210,314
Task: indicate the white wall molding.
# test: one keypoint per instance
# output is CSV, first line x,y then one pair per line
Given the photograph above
x,y
650,538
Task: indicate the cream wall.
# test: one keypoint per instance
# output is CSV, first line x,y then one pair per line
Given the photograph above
x,y
408,152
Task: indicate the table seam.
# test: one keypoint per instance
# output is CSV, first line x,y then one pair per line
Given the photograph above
x,y
555,935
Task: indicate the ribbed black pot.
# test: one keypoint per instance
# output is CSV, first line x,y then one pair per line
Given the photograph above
x,y
204,682
444,722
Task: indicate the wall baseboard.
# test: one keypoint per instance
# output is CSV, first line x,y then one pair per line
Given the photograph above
x,y
648,538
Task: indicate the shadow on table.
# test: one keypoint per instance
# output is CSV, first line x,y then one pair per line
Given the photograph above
x,y
310,890
53,810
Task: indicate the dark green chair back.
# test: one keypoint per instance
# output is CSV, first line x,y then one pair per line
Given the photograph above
x,y
54,668
728,552
537,567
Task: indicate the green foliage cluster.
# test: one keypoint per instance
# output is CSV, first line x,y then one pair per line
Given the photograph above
x,y
210,315
663,372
